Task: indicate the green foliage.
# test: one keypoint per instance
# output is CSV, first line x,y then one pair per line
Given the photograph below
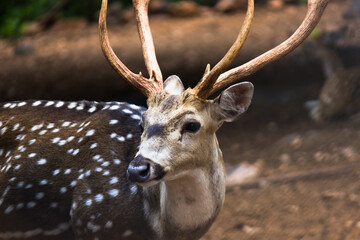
x,y
15,14
316,33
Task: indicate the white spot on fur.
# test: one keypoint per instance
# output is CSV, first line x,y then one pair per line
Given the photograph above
x,y
72,105
92,109
113,193
66,124
136,117
121,139
114,107
21,104
59,104
56,172
127,233
54,205
55,140
127,111
43,182
49,103
39,195
113,121
108,224
93,227
94,145
73,183
88,202
133,189
75,152
37,103
90,132
63,190
80,107
99,198
41,161
117,161
31,204
114,180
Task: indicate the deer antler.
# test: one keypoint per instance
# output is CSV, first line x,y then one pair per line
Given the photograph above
x,y
209,78
206,87
145,86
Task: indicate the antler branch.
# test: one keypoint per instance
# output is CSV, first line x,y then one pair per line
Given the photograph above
x,y
205,85
144,85
147,43
314,13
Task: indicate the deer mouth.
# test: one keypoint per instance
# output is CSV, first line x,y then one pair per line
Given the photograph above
x,y
144,171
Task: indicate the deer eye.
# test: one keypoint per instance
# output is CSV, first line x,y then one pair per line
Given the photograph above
x,y
191,127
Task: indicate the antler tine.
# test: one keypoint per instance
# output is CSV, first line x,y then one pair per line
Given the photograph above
x,y
209,78
144,85
313,15
142,19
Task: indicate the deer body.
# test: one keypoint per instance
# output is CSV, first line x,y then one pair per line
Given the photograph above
x,y
72,163
62,163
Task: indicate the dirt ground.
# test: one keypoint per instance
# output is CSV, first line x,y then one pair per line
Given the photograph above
x,y
276,132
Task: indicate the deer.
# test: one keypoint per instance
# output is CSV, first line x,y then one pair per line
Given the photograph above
x,y
114,170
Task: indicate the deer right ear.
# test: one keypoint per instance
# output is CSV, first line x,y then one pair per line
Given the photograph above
x,y
173,85
233,101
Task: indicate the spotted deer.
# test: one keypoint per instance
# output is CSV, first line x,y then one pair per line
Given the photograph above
x,y
113,170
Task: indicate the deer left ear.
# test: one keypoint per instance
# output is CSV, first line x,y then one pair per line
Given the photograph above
x,y
173,85
233,101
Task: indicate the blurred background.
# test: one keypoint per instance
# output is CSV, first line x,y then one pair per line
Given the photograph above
x,y
299,143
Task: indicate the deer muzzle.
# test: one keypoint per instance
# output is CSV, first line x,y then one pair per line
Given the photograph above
x,y
144,171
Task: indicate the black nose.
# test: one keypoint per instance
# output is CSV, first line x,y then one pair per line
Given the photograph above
x,y
139,169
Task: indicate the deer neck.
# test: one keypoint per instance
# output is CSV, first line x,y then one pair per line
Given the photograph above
x,y
188,205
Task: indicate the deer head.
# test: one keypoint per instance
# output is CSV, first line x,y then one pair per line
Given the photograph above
x,y
179,126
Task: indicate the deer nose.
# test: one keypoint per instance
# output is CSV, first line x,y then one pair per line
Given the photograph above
x,y
139,169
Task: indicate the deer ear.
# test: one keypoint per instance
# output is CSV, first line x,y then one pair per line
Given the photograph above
x,y
173,85
233,101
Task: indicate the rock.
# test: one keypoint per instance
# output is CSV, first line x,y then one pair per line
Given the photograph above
x,y
243,172
275,4
336,195
293,140
321,156
251,230
349,223
230,5
158,6
294,208
184,9
285,158
349,153
23,49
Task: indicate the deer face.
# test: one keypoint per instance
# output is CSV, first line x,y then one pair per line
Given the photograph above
x,y
179,131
